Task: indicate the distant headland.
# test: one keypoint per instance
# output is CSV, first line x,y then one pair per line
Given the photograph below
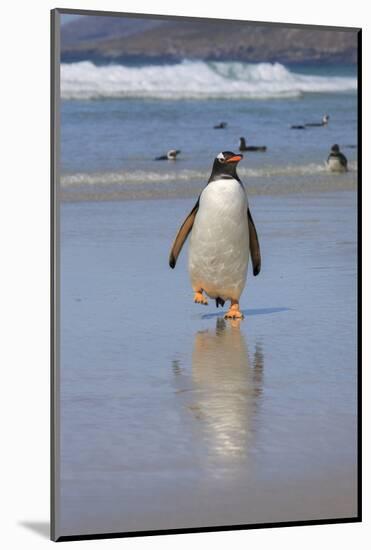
x,y
105,39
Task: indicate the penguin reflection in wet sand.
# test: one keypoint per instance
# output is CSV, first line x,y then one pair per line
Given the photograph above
x,y
223,234
336,161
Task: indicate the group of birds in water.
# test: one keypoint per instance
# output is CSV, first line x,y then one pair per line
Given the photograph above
x,y
336,161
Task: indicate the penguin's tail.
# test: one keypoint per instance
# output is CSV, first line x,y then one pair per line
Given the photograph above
x,y
219,302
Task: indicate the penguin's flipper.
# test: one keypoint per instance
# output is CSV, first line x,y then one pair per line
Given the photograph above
x,y
182,235
343,160
254,245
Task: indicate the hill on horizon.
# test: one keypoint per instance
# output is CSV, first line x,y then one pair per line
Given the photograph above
x,y
116,39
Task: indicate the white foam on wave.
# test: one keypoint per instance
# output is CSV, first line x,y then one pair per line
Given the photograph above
x,y
194,80
123,178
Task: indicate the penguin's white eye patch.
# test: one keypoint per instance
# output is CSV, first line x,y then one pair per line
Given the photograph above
x,y
221,157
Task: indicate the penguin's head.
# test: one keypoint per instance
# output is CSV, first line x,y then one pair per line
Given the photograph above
x,y
335,148
226,163
172,154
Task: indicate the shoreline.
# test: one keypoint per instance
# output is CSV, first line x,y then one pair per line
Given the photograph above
x,y
125,196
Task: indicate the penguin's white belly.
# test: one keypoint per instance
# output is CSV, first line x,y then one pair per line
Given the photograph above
x,y
334,165
219,243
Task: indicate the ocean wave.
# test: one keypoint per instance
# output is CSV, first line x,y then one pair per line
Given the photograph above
x,y
143,177
194,80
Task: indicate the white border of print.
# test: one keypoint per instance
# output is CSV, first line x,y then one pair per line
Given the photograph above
x,y
25,270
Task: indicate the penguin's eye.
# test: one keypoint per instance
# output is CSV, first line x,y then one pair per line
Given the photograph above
x,y
221,159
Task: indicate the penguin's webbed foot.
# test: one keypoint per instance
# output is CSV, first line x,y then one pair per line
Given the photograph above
x,y
199,298
234,312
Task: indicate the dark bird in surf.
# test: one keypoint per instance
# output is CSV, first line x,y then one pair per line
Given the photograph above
x,y
223,235
170,155
336,161
324,122
220,126
297,127
252,148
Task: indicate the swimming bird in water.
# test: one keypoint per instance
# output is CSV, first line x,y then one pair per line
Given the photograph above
x,y
324,122
222,235
170,155
336,161
252,148
297,127
220,126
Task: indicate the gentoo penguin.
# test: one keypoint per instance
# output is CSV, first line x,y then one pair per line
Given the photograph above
x,y
336,161
223,233
244,147
170,155
323,122
220,126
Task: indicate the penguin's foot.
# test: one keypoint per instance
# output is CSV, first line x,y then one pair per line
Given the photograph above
x,y
199,298
234,311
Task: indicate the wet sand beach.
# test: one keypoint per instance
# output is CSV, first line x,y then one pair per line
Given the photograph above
x,y
172,417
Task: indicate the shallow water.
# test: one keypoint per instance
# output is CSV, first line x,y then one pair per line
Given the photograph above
x,y
108,144
172,417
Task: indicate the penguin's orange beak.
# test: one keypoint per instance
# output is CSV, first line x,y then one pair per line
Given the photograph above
x,y
236,158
